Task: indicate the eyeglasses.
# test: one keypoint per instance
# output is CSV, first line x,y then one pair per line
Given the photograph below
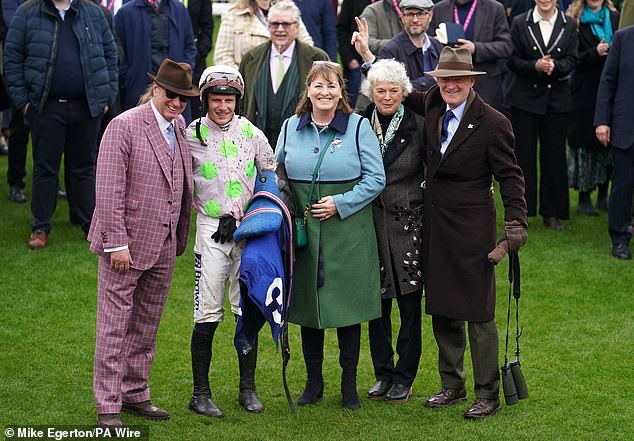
x,y
285,25
173,95
419,14
327,63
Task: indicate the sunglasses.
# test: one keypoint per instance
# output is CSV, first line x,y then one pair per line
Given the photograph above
x,y
285,25
173,95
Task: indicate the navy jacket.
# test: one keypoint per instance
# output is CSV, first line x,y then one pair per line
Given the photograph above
x,y
31,48
133,27
615,107
319,19
8,9
402,49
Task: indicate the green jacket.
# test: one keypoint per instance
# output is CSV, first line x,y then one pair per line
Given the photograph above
x,y
252,63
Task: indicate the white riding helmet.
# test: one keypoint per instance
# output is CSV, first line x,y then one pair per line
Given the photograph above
x,y
221,79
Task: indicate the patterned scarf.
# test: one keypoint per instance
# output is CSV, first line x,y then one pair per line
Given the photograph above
x,y
599,22
395,122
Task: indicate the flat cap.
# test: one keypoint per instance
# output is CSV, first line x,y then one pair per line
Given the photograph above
x,y
418,4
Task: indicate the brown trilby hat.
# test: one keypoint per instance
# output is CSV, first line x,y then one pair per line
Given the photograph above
x,y
454,62
176,77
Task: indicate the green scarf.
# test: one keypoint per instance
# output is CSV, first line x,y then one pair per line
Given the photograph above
x,y
391,128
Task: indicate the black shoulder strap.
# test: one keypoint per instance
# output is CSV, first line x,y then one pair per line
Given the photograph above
x,y
357,133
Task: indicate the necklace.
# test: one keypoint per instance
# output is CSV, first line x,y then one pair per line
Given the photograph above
x,y
318,123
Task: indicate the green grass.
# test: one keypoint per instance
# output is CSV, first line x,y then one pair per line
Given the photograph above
x,y
577,349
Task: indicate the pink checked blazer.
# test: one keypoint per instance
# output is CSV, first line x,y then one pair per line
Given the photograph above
x,y
137,188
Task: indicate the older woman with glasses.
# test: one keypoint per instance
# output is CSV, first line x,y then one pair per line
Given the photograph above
x,y
337,272
398,221
243,26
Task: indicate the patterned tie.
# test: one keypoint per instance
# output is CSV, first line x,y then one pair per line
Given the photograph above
x,y
172,138
279,73
445,125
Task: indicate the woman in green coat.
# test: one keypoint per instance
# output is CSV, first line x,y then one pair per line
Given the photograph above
x,y
337,273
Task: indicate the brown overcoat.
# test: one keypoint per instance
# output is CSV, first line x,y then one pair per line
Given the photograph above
x,y
459,214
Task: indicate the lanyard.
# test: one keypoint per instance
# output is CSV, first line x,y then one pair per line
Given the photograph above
x,y
469,15
397,9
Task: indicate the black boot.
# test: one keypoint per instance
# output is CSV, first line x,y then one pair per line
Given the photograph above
x,y
313,349
349,343
585,205
248,396
202,338
602,196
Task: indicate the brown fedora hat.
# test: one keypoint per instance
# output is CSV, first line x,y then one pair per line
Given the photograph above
x,y
454,62
176,77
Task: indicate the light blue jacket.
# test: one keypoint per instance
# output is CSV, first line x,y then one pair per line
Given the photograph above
x,y
353,154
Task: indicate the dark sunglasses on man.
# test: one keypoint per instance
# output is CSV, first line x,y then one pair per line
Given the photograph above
x,y
172,95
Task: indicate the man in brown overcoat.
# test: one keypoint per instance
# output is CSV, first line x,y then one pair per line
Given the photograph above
x,y
468,144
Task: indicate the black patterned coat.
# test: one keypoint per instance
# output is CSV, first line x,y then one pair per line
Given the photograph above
x,y
398,210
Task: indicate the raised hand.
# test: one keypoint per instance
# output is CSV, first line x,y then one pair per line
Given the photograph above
x,y
360,40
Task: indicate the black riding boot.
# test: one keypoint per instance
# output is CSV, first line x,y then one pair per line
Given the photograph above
x,y
349,343
202,338
248,396
313,349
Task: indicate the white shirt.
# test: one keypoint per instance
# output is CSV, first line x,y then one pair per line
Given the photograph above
x,y
453,125
426,43
162,122
274,60
546,25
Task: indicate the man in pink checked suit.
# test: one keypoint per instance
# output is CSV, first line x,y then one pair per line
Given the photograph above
x,y
140,224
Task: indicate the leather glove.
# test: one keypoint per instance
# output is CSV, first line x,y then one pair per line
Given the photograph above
x,y
515,234
499,252
513,239
226,228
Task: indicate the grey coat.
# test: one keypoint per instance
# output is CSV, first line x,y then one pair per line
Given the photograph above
x,y
383,23
398,210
